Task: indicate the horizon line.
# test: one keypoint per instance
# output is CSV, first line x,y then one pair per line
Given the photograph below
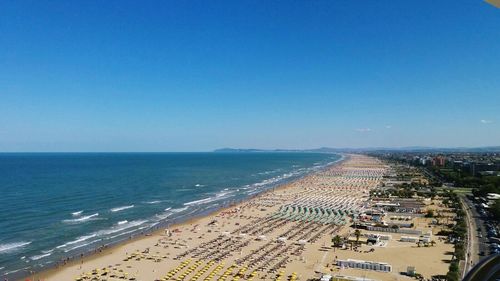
x,y
272,149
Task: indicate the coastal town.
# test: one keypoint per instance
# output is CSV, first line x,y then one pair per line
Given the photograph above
x,y
366,218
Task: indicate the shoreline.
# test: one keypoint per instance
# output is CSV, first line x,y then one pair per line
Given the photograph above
x,y
285,233
109,249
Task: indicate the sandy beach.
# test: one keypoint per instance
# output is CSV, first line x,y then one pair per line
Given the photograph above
x,y
283,234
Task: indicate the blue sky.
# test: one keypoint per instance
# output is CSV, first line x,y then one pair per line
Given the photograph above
x,y
200,75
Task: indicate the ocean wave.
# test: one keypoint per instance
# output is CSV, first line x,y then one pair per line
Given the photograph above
x,y
178,210
253,192
153,202
78,240
128,232
76,214
225,193
197,202
34,258
82,219
82,245
117,209
169,212
163,216
276,179
11,247
14,271
199,185
120,228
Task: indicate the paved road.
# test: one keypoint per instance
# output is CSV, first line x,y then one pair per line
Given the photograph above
x,y
478,239
480,222
472,252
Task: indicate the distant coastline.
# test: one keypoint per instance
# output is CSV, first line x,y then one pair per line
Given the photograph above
x,y
483,149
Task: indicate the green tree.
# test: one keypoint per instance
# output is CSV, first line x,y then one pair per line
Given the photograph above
x,y
336,240
452,276
430,214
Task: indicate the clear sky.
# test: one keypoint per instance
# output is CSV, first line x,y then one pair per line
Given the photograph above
x,y
199,75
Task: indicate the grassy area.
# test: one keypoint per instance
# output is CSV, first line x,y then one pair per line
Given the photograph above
x,y
462,190
458,190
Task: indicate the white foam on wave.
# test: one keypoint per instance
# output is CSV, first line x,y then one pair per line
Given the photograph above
x,y
119,228
197,202
34,258
276,179
101,234
199,185
14,271
78,240
225,193
76,214
163,216
127,232
169,212
253,192
117,209
82,245
82,219
11,247
153,202
178,210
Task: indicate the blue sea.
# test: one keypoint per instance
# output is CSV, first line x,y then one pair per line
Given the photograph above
x,y
54,206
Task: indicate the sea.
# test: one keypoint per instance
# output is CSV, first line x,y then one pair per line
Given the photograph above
x,y
55,206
